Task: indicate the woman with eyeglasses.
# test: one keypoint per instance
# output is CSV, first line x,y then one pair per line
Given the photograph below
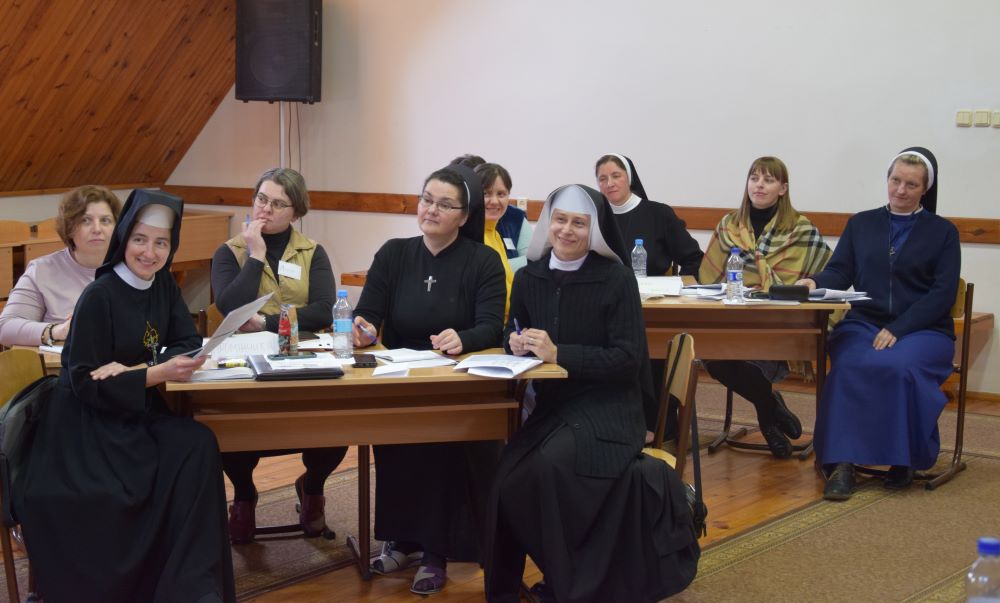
x,y
443,290
270,256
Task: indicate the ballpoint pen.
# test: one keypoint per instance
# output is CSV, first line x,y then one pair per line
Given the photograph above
x,y
517,327
368,331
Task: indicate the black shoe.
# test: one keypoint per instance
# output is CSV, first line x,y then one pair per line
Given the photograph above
x,y
777,441
898,477
543,593
840,484
786,419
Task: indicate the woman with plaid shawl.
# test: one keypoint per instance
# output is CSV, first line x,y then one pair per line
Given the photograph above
x,y
778,246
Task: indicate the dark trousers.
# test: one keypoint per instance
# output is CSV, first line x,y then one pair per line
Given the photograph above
x,y
319,464
747,380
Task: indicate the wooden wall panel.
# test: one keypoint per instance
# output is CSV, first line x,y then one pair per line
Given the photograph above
x,y
111,92
971,230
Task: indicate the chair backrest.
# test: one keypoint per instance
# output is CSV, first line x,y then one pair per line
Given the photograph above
x,y
12,231
958,308
19,368
46,229
678,371
679,381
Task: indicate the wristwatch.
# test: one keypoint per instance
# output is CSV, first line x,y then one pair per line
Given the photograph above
x,y
47,334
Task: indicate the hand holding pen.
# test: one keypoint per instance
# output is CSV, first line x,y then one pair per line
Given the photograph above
x,y
365,334
517,341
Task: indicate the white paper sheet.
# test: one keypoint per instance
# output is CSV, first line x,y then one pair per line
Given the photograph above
x,y
660,286
242,345
243,372
230,324
500,366
836,295
407,355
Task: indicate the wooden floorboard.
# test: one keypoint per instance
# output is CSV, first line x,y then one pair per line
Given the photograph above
x,y
742,489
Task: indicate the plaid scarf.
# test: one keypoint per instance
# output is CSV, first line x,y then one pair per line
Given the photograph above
x,y
777,257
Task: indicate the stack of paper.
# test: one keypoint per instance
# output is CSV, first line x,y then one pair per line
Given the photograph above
x,y
836,295
500,366
715,291
401,360
223,374
242,345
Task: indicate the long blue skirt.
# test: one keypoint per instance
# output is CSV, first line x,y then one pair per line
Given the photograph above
x,y
881,407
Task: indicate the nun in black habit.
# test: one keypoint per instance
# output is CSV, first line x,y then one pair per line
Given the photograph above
x,y
603,521
123,501
444,290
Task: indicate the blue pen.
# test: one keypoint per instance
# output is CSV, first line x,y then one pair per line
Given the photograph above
x,y
369,333
517,327
247,221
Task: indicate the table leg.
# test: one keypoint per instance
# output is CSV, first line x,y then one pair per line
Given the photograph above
x,y
361,546
822,321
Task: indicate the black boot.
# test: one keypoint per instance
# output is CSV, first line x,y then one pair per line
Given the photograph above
x,y
898,477
786,419
840,484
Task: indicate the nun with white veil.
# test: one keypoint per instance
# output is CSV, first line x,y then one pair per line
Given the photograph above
x,y
600,519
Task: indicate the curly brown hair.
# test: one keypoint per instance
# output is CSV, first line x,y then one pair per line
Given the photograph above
x,y
74,204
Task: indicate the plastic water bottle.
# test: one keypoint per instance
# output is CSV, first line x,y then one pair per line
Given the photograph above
x,y
734,277
982,584
639,259
343,327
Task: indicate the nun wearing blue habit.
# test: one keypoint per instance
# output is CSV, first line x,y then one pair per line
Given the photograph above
x,y
603,521
123,501
881,401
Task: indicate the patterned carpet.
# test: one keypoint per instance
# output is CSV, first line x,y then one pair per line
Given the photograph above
x,y
912,546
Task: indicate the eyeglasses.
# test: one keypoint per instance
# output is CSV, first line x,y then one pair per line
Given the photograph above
x,y
444,207
262,201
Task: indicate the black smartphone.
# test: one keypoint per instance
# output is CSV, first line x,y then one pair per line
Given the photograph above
x,y
364,361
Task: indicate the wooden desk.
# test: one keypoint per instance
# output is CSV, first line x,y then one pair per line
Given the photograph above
x,y
431,405
747,332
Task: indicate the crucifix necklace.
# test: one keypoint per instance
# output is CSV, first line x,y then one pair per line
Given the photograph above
x,y
430,282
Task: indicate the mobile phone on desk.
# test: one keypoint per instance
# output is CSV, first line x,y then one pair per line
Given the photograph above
x,y
364,361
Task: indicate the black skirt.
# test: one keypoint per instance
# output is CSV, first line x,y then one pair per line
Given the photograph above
x,y
627,539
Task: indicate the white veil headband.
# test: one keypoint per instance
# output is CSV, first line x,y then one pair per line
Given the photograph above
x,y
625,162
927,162
571,198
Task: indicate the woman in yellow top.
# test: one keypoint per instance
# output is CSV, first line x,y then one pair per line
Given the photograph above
x,y
778,246
496,193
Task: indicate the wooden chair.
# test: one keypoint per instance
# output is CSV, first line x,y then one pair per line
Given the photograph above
x,y
680,380
961,308
18,369
208,320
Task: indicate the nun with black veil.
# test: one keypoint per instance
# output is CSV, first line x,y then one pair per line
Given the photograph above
x,y
603,521
121,500
443,290
889,356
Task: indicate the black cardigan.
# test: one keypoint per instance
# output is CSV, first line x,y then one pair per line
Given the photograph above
x,y
594,316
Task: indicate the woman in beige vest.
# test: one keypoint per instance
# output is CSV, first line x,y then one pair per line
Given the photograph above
x,y
270,256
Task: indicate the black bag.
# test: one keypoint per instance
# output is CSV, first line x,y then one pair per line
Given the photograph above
x,y
18,420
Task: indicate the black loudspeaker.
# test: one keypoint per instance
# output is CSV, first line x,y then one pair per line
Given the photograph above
x,y
278,50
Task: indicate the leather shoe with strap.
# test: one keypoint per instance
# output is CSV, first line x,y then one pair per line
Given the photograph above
x,y
840,484
777,441
242,520
785,419
312,510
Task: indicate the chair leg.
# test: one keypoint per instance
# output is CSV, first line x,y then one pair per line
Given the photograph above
x,y
8,566
726,435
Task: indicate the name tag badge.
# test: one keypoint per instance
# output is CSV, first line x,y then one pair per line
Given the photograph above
x,y
290,270
509,243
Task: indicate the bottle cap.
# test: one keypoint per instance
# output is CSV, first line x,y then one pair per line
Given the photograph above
x,y
638,241
734,250
989,546
341,292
